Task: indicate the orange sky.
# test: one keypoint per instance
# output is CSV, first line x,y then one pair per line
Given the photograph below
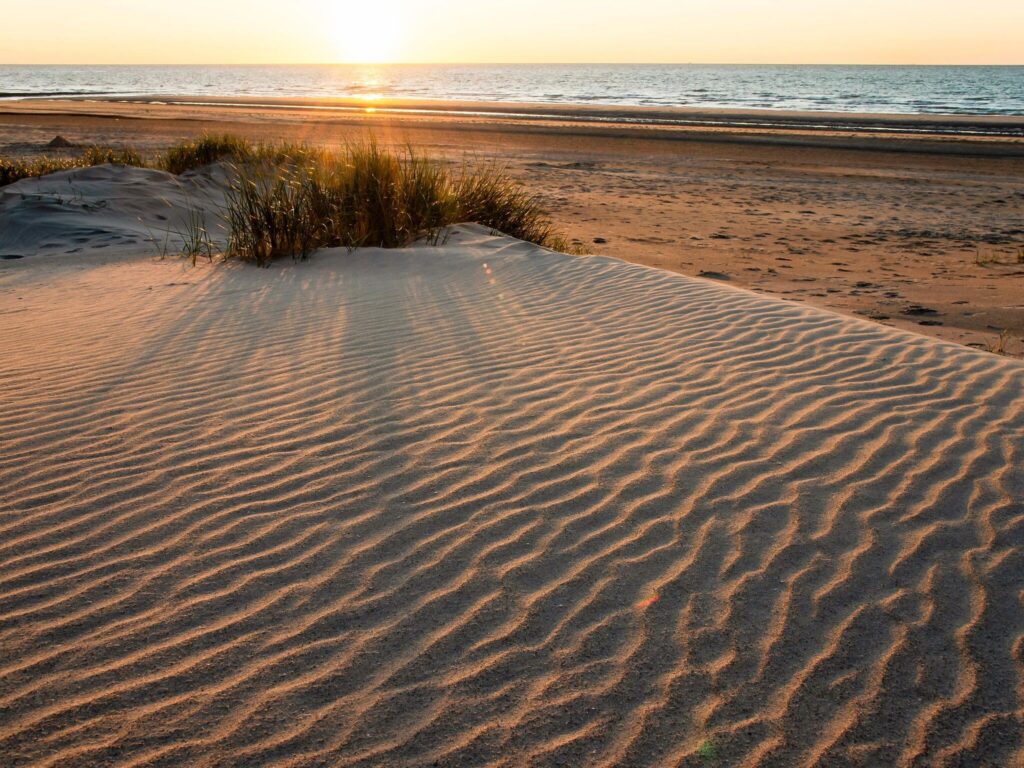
x,y
507,31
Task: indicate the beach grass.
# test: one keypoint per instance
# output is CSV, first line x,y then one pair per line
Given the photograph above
x,y
206,150
286,200
293,200
109,155
16,169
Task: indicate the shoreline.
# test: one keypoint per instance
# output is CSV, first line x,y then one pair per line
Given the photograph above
x,y
995,135
952,124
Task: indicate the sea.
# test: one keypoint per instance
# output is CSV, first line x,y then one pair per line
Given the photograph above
x,y
955,90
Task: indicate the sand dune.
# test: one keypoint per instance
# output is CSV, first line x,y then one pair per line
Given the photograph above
x,y
87,210
489,505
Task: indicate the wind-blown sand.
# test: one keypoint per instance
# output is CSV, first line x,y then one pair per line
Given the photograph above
x,y
489,505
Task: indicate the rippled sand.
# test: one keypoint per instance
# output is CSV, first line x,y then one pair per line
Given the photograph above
x,y
490,505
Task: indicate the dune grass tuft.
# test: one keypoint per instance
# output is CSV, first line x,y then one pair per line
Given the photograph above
x,y
13,169
104,155
489,196
286,200
300,200
211,148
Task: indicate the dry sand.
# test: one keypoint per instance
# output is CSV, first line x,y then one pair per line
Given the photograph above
x,y
879,217
88,210
489,505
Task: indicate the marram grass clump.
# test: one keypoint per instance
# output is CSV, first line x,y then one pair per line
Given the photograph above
x,y
104,155
195,153
185,156
286,200
365,195
14,169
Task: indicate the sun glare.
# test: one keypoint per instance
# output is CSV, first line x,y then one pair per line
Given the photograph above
x,y
368,31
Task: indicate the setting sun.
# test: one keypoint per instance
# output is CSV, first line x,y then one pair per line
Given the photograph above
x,y
368,34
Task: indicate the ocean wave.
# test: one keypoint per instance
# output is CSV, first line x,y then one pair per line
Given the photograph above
x,y
895,89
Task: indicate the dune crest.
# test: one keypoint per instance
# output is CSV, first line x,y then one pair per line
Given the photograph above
x,y
490,505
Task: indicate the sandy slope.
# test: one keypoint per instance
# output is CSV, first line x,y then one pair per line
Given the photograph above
x,y
488,505
109,206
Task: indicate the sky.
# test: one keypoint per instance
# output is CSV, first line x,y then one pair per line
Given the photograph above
x,y
512,31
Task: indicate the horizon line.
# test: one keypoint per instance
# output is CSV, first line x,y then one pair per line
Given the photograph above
x,y
500,64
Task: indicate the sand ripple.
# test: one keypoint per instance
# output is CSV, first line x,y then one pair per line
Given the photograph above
x,y
487,505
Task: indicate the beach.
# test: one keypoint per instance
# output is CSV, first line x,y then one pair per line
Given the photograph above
x,y
910,221
486,504
739,486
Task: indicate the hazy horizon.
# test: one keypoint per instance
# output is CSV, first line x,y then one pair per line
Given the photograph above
x,y
156,64
788,32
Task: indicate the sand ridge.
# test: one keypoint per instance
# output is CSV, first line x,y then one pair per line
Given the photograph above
x,y
490,505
